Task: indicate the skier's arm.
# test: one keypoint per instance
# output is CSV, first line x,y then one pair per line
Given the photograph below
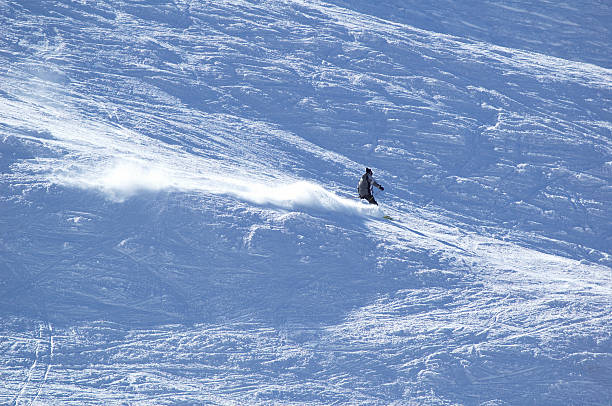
x,y
377,185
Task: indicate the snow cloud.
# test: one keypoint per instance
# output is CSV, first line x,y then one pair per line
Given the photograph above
x,y
297,195
121,180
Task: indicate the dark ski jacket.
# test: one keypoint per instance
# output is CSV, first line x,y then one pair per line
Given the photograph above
x,y
365,185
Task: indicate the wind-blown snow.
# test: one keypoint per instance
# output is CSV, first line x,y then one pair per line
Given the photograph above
x,y
179,220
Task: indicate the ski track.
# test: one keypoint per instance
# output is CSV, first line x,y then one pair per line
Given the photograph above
x,y
178,225
38,373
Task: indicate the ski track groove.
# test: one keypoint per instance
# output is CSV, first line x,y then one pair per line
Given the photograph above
x,y
40,369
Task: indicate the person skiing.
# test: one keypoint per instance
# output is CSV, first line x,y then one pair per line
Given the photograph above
x,y
365,187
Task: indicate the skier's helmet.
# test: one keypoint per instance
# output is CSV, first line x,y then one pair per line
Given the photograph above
x,y
368,170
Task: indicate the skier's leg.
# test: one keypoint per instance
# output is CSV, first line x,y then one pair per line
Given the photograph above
x,y
370,199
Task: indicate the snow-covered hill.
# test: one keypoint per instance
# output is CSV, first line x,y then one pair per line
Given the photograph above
x,y
178,219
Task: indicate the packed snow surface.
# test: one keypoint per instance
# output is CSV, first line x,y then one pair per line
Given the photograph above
x,y
179,222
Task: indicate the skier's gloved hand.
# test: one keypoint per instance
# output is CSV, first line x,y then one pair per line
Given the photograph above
x,y
382,188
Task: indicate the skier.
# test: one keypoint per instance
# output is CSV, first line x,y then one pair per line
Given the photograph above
x,y
365,187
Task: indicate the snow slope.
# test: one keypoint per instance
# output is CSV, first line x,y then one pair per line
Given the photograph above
x,y
178,220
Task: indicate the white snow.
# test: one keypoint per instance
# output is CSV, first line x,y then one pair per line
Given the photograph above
x,y
179,221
